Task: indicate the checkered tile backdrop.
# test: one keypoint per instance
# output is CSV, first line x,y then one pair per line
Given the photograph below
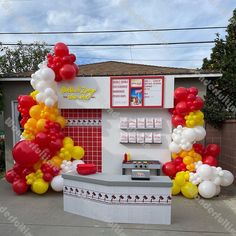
x,y
89,137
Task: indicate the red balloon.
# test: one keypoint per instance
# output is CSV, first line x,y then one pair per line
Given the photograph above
x,y
213,149
191,97
42,139
76,68
47,177
26,153
61,50
72,57
193,91
210,160
182,167
18,168
177,120
26,101
180,94
27,171
199,148
178,160
55,145
20,186
198,103
169,169
182,108
67,72
11,176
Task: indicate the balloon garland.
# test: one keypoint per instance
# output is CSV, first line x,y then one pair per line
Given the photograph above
x,y
194,168
44,153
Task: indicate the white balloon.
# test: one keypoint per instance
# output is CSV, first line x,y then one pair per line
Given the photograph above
x,y
49,92
218,189
205,172
207,189
41,86
200,133
174,147
47,74
217,180
227,178
49,102
40,97
189,134
57,183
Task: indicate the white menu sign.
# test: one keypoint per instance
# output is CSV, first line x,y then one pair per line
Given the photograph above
x,y
153,92
120,92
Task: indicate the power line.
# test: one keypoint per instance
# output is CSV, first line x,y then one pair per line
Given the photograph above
x,y
117,31
117,45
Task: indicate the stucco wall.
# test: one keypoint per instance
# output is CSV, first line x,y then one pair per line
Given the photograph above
x,y
11,90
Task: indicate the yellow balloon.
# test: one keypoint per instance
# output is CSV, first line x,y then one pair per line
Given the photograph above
x,y
180,180
175,188
56,161
41,125
189,190
68,140
39,186
77,152
187,160
35,111
69,147
61,120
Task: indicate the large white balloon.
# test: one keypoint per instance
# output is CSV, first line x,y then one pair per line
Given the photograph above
x,y
227,178
207,189
47,74
205,172
57,183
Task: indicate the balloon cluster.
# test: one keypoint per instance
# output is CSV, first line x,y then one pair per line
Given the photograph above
x,y
193,168
42,154
62,63
43,82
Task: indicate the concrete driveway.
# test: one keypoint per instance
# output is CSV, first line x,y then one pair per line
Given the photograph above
x,y
36,215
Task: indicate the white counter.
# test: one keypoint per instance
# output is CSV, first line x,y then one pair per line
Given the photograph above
x,y
118,199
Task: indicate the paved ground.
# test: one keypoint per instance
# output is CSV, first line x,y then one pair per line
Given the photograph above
x,y
44,215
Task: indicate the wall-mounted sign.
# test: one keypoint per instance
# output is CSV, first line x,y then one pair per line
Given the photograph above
x,y
143,91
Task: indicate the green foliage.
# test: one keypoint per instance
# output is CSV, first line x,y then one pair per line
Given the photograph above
x,y
223,59
21,58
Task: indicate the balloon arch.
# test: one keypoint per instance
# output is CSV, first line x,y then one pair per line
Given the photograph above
x,y
44,153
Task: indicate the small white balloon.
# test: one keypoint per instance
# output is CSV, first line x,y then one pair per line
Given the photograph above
x,y
49,102
47,74
227,178
41,86
207,189
57,183
174,147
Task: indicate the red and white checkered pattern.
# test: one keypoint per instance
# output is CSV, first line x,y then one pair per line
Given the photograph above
x,y
89,137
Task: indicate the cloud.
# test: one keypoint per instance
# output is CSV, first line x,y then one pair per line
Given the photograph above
x,y
72,15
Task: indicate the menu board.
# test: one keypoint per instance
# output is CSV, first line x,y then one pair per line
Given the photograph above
x,y
120,92
153,92
143,91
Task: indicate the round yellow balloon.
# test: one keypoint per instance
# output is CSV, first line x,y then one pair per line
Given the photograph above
x,y
61,120
35,111
77,152
68,140
189,190
41,125
180,180
175,190
39,186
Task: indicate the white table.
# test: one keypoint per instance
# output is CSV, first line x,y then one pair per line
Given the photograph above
x,y
118,199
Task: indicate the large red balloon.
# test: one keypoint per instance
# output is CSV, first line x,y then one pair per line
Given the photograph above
x,y
210,160
61,50
20,186
42,139
169,169
180,94
177,120
67,72
26,153
213,149
182,108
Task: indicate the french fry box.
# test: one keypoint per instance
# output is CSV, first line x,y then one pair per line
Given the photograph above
x,y
86,169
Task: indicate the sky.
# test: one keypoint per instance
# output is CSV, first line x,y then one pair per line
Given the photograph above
x,y
91,15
